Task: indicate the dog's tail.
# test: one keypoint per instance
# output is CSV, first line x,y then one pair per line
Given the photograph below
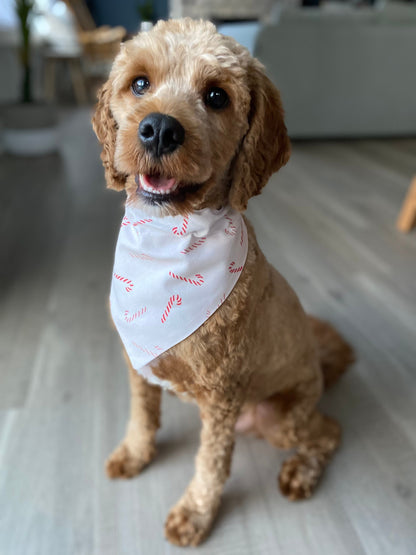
x,y
334,352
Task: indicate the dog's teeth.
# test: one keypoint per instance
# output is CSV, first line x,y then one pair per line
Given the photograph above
x,y
154,190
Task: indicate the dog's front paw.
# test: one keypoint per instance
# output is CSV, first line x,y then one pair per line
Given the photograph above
x,y
186,527
299,476
126,463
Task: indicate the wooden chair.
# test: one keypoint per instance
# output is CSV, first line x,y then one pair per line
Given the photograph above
x,y
102,43
99,44
407,217
82,14
73,62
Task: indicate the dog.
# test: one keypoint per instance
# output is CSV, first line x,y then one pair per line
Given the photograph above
x,y
189,122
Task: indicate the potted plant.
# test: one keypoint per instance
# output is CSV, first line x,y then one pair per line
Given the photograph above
x,y
145,9
29,127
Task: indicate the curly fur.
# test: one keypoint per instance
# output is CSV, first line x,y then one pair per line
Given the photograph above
x,y
258,363
105,128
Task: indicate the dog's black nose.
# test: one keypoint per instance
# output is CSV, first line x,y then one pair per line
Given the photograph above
x,y
161,134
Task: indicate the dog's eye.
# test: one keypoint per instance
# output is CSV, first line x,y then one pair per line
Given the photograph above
x,y
216,98
140,85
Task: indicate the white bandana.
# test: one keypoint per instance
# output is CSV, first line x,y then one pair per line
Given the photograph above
x,y
170,274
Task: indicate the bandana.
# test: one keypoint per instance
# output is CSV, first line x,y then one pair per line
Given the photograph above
x,y
170,275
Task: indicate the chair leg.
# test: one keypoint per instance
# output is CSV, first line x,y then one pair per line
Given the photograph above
x,y
407,217
50,80
78,81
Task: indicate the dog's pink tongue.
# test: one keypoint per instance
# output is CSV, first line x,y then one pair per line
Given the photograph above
x,y
159,182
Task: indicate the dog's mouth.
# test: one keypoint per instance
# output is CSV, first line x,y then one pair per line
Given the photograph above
x,y
158,189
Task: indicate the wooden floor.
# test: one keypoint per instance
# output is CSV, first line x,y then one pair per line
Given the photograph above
x,y
327,223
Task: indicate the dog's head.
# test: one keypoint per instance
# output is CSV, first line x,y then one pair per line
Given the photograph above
x,y
188,120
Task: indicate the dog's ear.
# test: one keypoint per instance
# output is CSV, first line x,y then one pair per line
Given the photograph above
x,y
266,145
105,127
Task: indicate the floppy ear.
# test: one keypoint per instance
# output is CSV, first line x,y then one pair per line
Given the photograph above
x,y
105,127
265,147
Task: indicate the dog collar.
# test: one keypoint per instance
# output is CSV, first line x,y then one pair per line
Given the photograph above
x,y
170,275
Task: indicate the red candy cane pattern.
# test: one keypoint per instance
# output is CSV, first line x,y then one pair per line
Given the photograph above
x,y
148,351
141,222
125,221
130,318
221,301
174,300
230,229
198,281
234,270
141,255
184,227
194,245
218,305
128,282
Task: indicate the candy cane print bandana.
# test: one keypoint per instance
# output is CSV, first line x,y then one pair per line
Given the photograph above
x,y
170,274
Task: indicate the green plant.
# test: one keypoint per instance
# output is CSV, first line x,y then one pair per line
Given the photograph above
x,y
145,10
23,10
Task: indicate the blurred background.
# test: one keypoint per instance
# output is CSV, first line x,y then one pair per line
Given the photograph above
x,y
344,68
338,221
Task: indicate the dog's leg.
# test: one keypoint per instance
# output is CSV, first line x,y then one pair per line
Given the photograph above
x,y
318,438
190,520
138,446
291,420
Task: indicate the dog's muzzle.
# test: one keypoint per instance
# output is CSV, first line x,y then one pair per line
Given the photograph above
x,y
161,134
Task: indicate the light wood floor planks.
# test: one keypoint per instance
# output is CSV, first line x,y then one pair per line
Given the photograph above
x,y
327,222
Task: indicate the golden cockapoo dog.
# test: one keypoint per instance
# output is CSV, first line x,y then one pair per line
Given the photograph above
x,y
258,363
